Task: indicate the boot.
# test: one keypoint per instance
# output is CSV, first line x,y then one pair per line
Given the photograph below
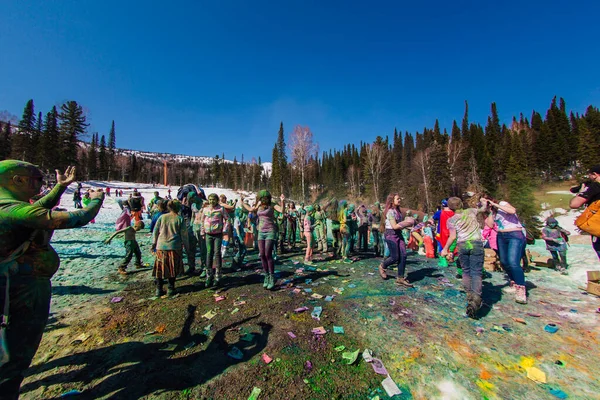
x,y
521,294
271,283
209,279
203,274
122,271
266,281
473,304
171,291
218,277
159,287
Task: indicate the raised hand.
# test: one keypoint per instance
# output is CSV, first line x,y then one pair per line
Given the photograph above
x,y
67,178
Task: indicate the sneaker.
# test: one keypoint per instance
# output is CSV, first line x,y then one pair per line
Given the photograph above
x,y
511,288
271,284
122,271
209,281
403,282
520,294
203,274
160,292
346,260
171,291
266,281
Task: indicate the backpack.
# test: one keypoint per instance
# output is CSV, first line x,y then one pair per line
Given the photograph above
x,y
184,190
589,220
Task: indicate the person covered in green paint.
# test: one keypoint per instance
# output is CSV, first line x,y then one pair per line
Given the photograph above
x,y
375,221
331,208
556,239
292,216
345,230
465,229
320,229
28,262
238,236
281,219
132,248
267,232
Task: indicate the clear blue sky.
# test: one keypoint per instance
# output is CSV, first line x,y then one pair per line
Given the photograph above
x,y
207,77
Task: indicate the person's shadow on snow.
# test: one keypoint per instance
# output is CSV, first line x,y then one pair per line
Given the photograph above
x,y
135,369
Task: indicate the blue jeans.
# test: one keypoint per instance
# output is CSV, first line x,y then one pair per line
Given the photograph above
x,y
471,256
397,249
510,249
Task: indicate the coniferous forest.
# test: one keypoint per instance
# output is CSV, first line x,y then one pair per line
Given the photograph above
x,y
507,161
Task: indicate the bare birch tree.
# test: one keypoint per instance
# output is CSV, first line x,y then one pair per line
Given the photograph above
x,y
421,161
353,176
455,149
377,159
302,148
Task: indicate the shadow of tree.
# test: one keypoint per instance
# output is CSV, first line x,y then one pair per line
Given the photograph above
x,y
136,369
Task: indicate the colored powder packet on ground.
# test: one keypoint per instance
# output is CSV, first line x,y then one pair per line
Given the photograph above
x,y
170,347
235,310
319,331
301,309
291,334
352,286
350,357
367,355
239,303
247,337
219,298
266,358
390,387
70,393
255,393
340,348
308,290
116,300
316,296
316,313
210,315
378,367
338,329
235,353
329,298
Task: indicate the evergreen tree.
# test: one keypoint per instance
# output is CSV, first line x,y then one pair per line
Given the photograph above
x,y
21,145
36,135
112,146
520,187
49,142
92,158
6,137
589,146
102,158
283,178
72,126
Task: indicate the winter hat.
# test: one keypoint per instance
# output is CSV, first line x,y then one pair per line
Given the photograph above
x,y
445,203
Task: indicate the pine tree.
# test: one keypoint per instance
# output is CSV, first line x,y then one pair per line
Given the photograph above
x,y
92,158
589,146
21,144
36,135
49,142
102,158
6,141
282,184
520,187
72,126
112,147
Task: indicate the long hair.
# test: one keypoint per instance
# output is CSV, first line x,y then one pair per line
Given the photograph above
x,y
389,204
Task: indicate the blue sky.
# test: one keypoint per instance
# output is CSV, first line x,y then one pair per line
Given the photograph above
x,y
206,78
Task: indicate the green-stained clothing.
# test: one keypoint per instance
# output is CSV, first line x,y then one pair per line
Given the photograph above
x,y
132,248
170,232
19,219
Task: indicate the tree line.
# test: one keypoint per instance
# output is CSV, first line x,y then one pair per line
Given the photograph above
x,y
505,161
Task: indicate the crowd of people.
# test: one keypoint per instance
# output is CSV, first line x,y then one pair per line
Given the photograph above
x,y
209,226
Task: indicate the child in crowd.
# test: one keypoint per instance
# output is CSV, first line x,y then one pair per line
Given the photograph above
x,y
556,239
132,248
238,237
464,228
170,237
